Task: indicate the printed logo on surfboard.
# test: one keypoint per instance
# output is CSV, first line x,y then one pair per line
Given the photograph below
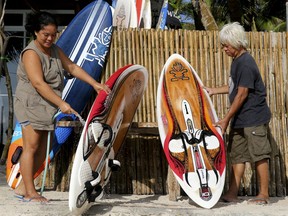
x,y
120,18
179,72
136,89
100,46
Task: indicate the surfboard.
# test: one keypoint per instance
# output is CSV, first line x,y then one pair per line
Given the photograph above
x,y
86,41
139,9
133,17
163,16
122,14
147,15
193,147
103,134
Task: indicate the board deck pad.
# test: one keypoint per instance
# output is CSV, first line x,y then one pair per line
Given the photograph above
x,y
194,148
104,132
86,41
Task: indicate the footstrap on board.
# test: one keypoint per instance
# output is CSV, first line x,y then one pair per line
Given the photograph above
x,y
177,147
199,139
90,186
98,130
99,134
196,141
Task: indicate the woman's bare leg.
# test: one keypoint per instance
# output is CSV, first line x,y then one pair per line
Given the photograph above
x,y
33,155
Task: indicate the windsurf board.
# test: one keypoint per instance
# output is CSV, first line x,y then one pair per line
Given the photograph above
x,y
103,134
194,148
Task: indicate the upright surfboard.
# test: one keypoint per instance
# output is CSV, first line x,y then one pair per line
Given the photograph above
x,y
194,148
163,16
122,14
103,134
139,8
86,41
147,15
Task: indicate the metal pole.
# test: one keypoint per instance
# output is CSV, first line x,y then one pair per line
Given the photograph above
x,y
1,126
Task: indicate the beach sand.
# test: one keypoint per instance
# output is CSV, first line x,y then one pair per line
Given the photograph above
x,y
118,204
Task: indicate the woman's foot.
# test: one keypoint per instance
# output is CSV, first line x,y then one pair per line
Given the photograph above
x,y
37,198
20,190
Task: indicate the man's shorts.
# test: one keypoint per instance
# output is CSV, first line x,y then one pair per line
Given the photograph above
x,y
249,144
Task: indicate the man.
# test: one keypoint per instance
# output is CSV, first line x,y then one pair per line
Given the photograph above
x,y
249,114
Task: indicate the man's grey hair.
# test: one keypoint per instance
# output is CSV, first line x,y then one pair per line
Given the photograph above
x,y
233,34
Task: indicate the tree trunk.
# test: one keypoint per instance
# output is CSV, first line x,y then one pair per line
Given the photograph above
x,y
207,18
202,12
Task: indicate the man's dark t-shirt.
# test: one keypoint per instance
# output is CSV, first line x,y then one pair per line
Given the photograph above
x,y
254,111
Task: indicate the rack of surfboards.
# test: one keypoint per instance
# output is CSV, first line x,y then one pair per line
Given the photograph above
x,y
141,13
130,14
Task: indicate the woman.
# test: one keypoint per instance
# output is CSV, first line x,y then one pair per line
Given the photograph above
x,y
38,95
249,114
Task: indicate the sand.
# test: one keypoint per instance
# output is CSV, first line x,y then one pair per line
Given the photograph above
x,y
119,204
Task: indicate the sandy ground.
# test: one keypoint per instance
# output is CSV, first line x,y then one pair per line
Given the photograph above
x,y
132,205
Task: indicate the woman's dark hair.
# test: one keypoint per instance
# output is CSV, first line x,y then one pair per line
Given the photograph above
x,y
36,21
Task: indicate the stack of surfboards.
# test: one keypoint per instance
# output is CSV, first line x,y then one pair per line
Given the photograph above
x,y
193,146
131,13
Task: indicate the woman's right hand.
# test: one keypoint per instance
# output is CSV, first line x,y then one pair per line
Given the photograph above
x,y
67,109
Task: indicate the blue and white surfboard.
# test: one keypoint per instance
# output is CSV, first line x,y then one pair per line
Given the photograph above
x,y
163,16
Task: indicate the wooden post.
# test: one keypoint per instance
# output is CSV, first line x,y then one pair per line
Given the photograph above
x,y
173,186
